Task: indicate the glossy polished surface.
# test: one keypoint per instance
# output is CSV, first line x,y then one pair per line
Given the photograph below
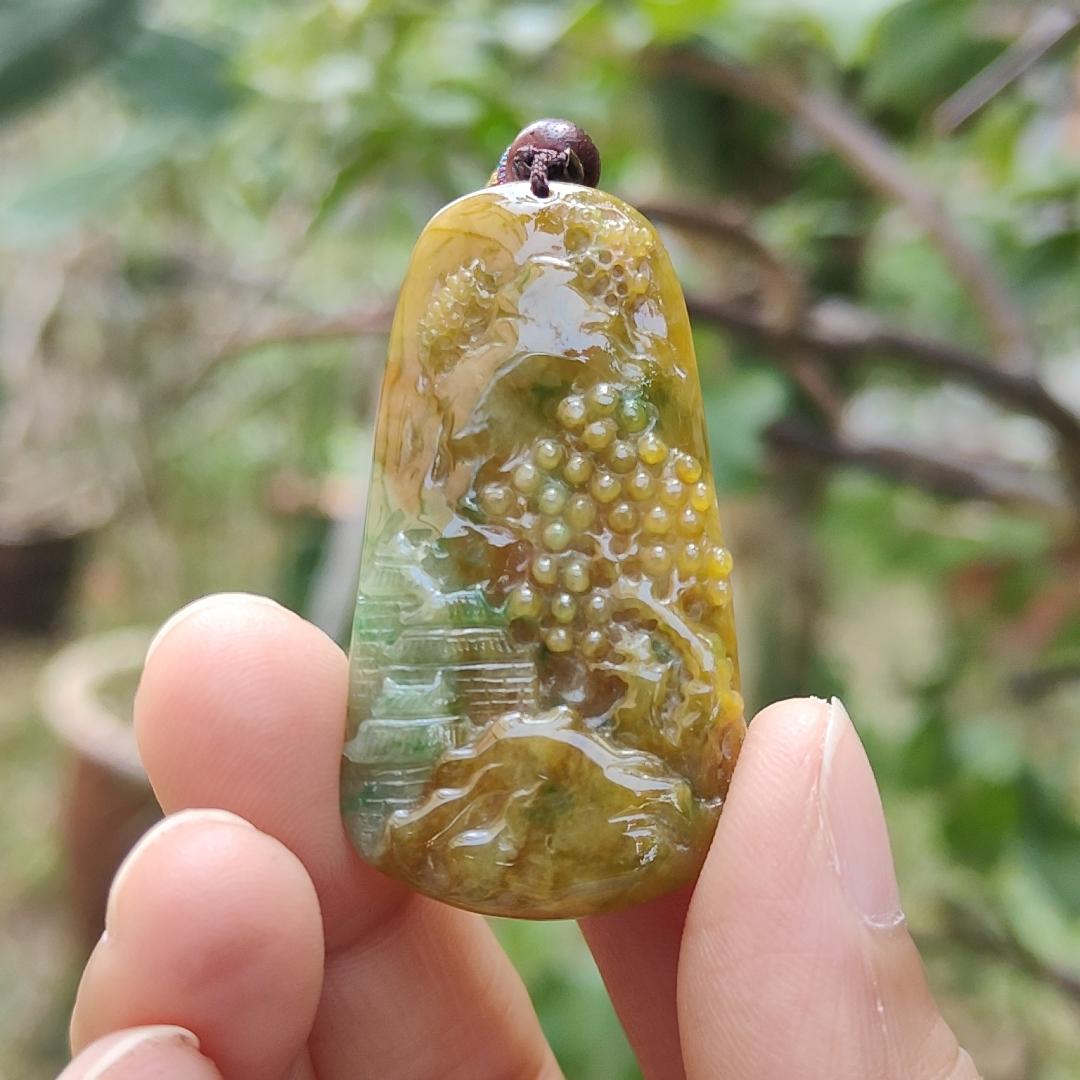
x,y
544,709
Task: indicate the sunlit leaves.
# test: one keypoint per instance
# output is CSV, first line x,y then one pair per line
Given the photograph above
x,y
675,19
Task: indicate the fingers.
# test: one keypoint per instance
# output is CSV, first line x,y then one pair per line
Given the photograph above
x,y
214,926
242,705
637,952
138,1053
796,961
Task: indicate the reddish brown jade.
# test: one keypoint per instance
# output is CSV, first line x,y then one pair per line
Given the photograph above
x,y
544,710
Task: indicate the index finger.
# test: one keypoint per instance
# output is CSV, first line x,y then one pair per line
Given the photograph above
x,y
242,706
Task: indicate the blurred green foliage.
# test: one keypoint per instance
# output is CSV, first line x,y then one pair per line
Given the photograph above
x,y
44,46
227,187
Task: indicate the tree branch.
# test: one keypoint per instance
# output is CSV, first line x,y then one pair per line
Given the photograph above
x,y
872,158
844,334
1032,686
1047,27
784,297
950,479
373,320
840,334
970,927
784,288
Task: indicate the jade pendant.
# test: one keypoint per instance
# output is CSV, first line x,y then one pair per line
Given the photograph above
x,y
543,706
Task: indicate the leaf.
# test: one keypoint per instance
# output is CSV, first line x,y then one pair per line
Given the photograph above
x,y
928,760
904,274
845,26
533,29
1050,839
44,44
923,51
980,819
1035,916
674,19
737,410
376,149
175,77
997,134
63,199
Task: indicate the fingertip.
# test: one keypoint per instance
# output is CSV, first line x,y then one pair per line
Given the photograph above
x,y
214,925
239,602
231,619
137,1053
230,639
778,763
243,705
180,820
788,722
234,687
638,950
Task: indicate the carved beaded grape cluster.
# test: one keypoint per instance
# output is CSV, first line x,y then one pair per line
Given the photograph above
x,y
610,253
459,314
606,497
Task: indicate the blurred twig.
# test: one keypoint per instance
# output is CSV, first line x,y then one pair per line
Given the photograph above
x,y
838,334
969,927
27,308
784,288
373,319
1046,29
784,297
842,333
1031,686
937,475
872,158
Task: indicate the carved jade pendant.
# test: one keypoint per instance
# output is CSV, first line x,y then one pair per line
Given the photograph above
x,y
543,708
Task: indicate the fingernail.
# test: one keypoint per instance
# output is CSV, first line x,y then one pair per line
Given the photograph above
x,y
202,604
179,820
855,823
136,1042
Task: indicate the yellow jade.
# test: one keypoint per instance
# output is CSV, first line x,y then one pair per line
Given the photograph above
x,y
543,708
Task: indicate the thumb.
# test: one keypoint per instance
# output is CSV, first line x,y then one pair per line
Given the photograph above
x,y
796,961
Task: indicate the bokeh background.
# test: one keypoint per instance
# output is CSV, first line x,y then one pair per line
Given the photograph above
x,y
206,208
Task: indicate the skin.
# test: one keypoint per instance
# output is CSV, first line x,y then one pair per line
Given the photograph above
x,y
273,951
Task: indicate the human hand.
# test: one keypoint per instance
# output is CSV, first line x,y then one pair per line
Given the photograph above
x,y
276,952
